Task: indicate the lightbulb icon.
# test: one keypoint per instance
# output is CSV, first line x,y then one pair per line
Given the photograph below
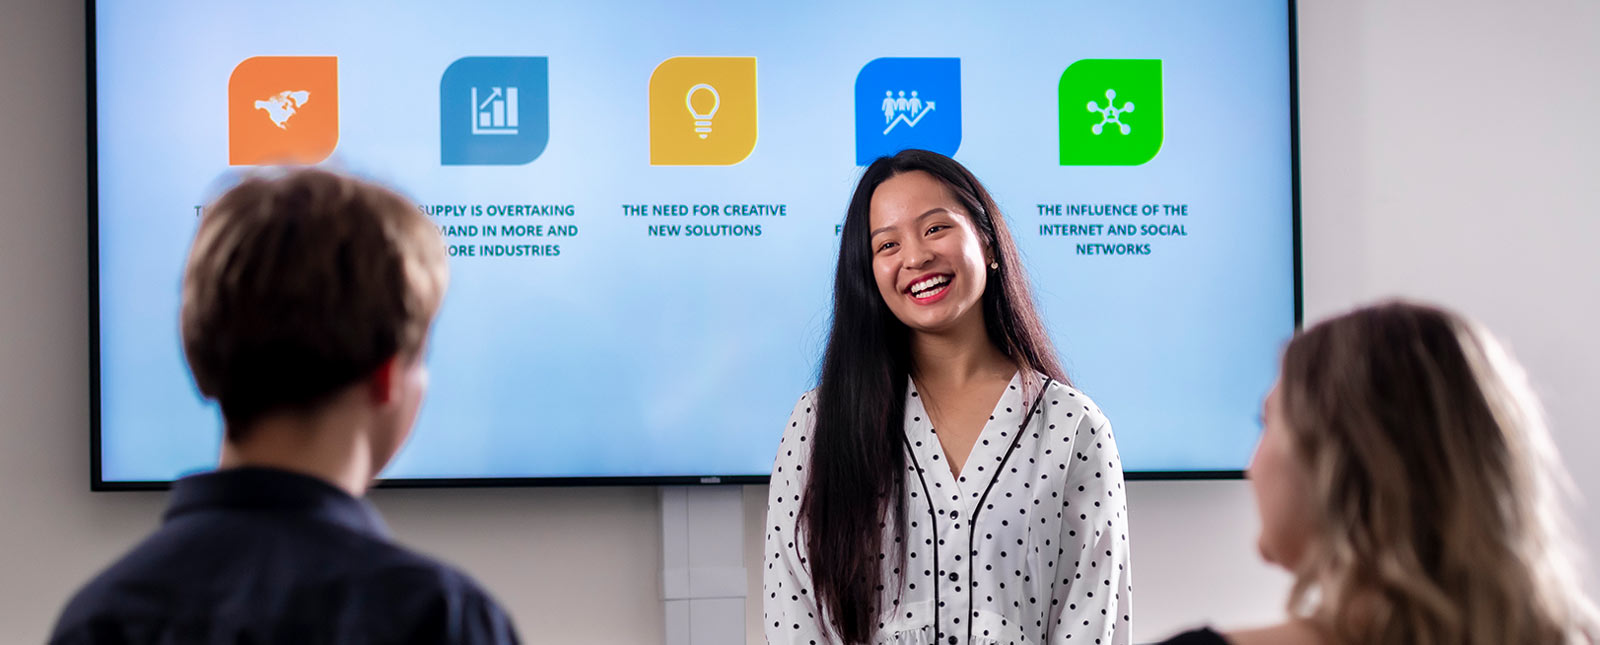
x,y
702,120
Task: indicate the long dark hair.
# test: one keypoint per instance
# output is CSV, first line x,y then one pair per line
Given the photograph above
x,y
858,464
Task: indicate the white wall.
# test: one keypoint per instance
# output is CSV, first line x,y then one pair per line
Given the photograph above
x,y
1447,154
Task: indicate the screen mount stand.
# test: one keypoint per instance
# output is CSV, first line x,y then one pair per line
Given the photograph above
x,y
703,579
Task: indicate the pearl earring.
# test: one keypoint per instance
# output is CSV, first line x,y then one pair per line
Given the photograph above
x,y
994,265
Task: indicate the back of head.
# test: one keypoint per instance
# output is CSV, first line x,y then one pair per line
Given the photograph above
x,y
1435,485
299,285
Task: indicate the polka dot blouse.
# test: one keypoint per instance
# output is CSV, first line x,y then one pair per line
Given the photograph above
x,y
1028,545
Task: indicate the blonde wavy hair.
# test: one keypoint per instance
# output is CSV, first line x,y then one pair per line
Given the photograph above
x,y
1436,491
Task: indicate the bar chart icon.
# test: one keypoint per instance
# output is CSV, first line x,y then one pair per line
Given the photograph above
x,y
509,102
496,113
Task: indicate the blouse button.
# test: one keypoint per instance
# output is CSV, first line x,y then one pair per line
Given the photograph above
x,y
953,640
954,577
955,514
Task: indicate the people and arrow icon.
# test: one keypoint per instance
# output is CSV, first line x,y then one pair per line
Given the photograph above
x,y
901,109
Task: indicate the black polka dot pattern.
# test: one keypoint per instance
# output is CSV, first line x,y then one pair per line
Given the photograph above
x,y
1028,545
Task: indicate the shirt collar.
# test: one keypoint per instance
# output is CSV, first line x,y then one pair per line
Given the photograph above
x,y
270,489
995,437
1007,410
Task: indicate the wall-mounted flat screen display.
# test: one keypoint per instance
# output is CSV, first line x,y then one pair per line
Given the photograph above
x,y
642,203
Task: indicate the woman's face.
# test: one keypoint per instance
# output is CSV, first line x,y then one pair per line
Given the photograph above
x,y
930,263
1282,485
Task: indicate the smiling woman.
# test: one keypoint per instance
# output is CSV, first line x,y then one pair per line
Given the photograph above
x,y
926,247
944,483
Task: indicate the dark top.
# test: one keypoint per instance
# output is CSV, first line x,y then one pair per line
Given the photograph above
x,y
265,556
1196,637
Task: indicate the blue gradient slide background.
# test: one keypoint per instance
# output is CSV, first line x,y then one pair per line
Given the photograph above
x,y
632,355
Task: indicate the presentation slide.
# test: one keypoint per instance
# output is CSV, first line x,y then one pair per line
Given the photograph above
x,y
642,203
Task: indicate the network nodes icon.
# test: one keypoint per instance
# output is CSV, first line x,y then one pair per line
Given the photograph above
x,y
907,103
1110,112
494,111
283,110
702,111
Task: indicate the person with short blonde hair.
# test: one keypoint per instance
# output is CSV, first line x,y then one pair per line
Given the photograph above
x,y
1407,481
307,302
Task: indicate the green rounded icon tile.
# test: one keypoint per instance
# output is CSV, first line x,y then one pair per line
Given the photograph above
x,y
1110,112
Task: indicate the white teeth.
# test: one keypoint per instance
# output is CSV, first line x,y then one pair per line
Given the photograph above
x,y
929,284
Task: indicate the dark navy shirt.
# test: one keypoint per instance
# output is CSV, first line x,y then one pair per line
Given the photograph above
x,y
262,556
1196,637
